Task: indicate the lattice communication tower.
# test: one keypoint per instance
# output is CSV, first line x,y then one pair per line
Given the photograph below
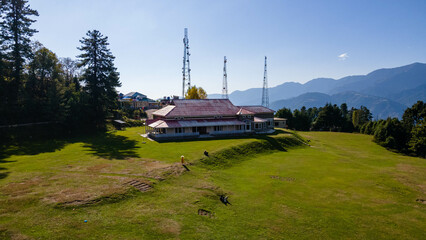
x,y
225,80
265,94
186,70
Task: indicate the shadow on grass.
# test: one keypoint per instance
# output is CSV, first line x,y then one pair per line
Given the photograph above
x,y
26,148
111,146
104,145
230,156
277,145
3,174
31,147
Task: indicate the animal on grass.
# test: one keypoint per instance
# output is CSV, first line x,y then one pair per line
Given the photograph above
x,y
224,200
206,153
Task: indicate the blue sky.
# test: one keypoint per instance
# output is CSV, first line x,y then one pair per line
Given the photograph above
x,y
302,39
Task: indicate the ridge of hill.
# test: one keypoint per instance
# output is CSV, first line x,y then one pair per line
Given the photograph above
x,y
380,107
400,86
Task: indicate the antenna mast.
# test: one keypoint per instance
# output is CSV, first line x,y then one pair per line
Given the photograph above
x,y
265,95
186,70
225,80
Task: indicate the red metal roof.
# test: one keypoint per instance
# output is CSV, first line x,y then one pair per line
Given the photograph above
x,y
198,108
244,112
194,123
257,109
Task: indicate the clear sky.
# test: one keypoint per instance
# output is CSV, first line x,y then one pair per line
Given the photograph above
x,y
302,39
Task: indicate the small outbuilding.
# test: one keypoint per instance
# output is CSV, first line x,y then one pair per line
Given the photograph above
x,y
280,122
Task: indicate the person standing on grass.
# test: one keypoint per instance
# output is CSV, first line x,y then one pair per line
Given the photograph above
x,y
182,161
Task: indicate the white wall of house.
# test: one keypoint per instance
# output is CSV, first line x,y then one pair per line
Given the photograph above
x,y
210,129
280,124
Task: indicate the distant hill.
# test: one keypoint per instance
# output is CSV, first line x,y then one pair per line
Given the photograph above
x,y
253,96
384,82
403,85
380,107
411,96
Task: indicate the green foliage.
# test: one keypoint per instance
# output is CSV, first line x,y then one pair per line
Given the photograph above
x,y
391,134
412,116
15,37
329,119
45,88
417,142
406,136
287,114
100,77
195,93
301,120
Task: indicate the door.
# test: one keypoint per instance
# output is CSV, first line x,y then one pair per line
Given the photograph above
x,y
202,130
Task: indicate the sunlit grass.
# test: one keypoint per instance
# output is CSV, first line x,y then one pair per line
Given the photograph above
x,y
344,186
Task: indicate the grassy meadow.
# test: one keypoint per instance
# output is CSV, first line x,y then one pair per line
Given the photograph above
x,y
343,186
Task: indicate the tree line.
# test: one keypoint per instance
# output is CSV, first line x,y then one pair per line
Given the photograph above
x,y
328,118
407,135
38,86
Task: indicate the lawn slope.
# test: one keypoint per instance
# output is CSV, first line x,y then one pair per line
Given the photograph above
x,y
343,186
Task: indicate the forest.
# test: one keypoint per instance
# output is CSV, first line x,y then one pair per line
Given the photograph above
x,y
407,135
45,92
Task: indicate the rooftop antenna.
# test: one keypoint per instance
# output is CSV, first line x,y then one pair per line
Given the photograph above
x,y
265,95
225,80
186,70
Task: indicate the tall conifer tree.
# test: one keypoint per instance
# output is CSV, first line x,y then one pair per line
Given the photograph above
x,y
15,33
100,77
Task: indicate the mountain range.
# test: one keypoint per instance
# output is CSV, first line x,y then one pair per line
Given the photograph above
x,y
386,92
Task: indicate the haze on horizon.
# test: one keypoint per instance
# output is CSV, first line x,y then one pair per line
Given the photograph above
x,y
302,39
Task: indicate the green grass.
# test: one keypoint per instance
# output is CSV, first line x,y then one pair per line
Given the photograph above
x,y
344,186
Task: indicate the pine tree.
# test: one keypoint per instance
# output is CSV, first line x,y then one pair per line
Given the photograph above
x,y
3,92
100,77
16,33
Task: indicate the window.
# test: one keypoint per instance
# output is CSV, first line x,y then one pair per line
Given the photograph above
x,y
238,127
218,128
179,130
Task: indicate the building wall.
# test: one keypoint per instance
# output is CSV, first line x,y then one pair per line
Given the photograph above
x,y
209,130
280,124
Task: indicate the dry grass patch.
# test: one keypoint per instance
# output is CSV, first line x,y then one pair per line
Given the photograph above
x,y
75,189
18,189
169,170
99,167
412,177
167,226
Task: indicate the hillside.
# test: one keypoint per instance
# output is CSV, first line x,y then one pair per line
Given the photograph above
x,y
278,188
380,107
402,86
